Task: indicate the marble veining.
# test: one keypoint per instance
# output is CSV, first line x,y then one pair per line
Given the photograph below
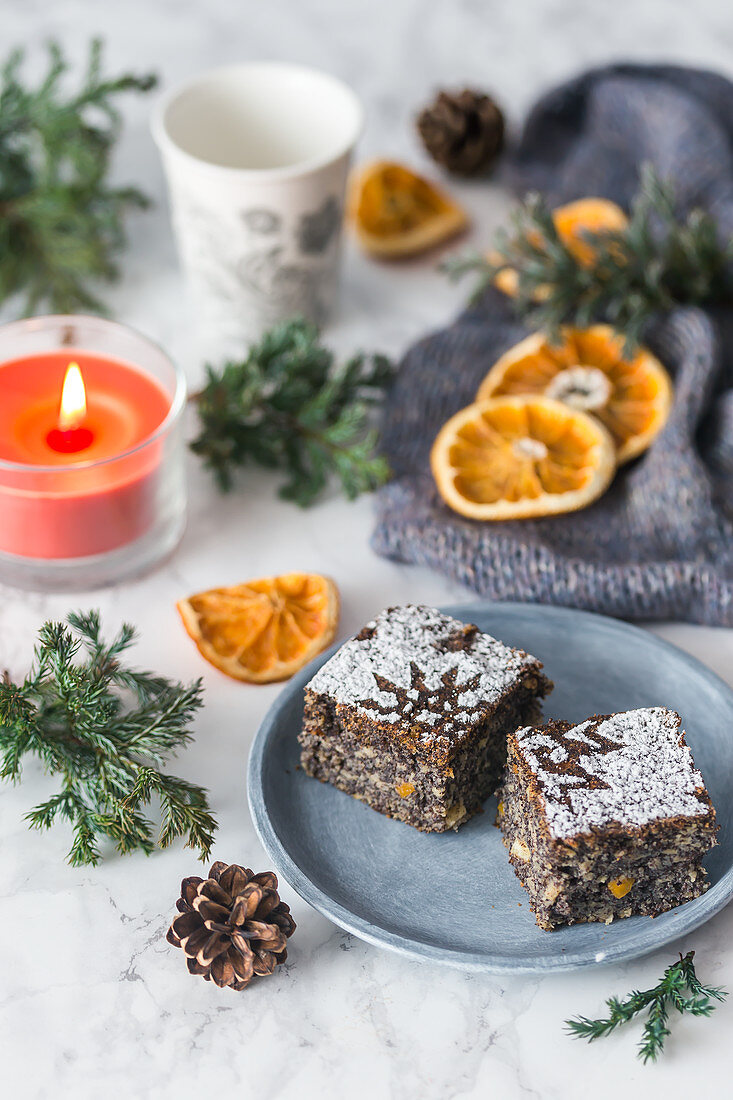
x,y
93,1002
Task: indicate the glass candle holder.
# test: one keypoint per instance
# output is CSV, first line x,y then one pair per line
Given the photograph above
x,y
103,500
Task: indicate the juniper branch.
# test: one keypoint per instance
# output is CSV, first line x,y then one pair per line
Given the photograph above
x,y
107,730
657,261
61,222
668,993
286,406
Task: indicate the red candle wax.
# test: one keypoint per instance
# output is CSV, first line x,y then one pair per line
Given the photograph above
x,y
81,490
69,441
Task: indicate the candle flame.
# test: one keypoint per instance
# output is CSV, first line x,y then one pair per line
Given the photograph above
x,y
73,408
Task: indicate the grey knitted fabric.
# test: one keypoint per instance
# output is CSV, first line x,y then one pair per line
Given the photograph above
x,y
659,544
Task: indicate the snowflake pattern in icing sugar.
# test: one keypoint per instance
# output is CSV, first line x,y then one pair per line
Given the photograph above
x,y
628,768
416,663
429,705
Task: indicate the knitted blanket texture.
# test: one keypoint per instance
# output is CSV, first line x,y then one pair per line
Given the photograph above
x,y
659,543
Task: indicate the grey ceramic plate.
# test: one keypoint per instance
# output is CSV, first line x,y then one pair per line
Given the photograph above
x,y
382,880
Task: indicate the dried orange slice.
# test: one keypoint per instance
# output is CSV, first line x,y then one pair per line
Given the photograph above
x,y
631,395
397,213
265,629
572,221
590,215
515,457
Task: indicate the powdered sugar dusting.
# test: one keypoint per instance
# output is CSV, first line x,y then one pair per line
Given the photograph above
x,y
406,665
629,768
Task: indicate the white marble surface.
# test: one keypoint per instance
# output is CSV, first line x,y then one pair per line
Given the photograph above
x,y
93,1002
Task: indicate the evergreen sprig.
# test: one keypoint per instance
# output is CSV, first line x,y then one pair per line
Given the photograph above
x,y
679,989
656,262
107,730
61,223
287,407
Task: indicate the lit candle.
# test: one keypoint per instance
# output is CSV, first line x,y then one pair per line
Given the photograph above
x,y
71,434
82,441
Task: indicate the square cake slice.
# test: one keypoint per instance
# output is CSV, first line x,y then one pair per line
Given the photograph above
x,y
607,818
411,715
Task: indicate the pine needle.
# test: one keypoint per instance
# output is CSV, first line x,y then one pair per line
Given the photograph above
x,y
61,223
678,980
286,407
656,262
108,731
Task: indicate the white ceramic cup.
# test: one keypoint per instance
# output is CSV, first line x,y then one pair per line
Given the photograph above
x,y
256,157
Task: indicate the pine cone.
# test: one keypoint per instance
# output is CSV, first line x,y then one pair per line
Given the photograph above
x,y
463,131
232,925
